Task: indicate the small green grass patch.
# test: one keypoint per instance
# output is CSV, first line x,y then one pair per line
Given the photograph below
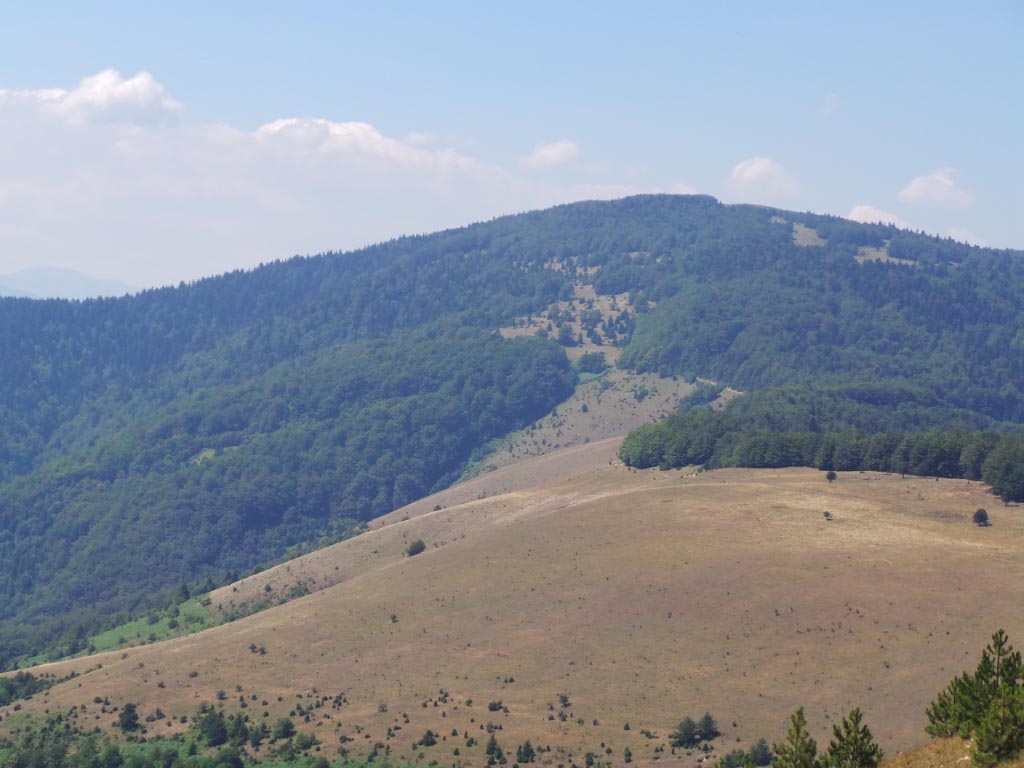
x,y
192,616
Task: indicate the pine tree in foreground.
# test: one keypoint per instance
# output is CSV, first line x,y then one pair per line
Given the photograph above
x,y
1000,735
761,754
852,745
799,750
960,709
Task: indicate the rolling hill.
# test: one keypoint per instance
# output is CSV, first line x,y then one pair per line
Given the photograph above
x,y
202,431
640,596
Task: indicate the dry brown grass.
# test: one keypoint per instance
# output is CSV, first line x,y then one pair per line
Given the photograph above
x,y
806,236
584,297
340,562
866,253
644,596
941,753
607,407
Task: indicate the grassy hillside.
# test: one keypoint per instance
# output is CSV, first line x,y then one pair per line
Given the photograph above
x,y
640,596
190,433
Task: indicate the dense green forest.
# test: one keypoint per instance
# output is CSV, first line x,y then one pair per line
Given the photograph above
x,y
190,431
765,314
232,476
835,429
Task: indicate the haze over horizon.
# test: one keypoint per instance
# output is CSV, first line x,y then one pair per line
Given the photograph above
x,y
153,146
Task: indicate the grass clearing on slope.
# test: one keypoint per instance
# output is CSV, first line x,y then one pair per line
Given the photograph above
x,y
604,406
191,616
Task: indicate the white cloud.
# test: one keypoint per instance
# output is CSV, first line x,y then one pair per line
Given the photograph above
x,y
868,214
104,179
549,155
418,139
357,139
110,178
105,96
939,188
762,176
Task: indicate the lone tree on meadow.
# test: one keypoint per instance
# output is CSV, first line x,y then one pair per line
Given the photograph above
x,y
128,720
686,735
707,728
493,751
415,548
981,518
831,475
429,739
526,753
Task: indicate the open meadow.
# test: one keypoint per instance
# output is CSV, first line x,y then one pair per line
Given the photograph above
x,y
562,612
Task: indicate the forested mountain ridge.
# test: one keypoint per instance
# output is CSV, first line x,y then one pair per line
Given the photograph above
x,y
155,438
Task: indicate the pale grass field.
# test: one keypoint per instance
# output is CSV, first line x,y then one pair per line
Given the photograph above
x,y
610,406
644,596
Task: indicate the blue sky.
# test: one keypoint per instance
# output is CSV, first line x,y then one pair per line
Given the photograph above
x,y
158,145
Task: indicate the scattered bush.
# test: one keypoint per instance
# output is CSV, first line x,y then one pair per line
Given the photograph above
x,y
415,548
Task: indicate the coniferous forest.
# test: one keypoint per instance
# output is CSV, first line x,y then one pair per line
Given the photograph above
x,y
204,429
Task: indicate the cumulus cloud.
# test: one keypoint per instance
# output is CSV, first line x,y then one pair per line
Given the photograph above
x,y
418,139
938,188
105,178
549,155
762,176
868,214
360,139
105,96
110,178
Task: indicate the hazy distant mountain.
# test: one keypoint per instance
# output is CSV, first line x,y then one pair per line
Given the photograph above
x,y
6,290
54,283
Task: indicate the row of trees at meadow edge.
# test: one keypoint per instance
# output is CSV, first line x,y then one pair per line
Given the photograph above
x,y
758,434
